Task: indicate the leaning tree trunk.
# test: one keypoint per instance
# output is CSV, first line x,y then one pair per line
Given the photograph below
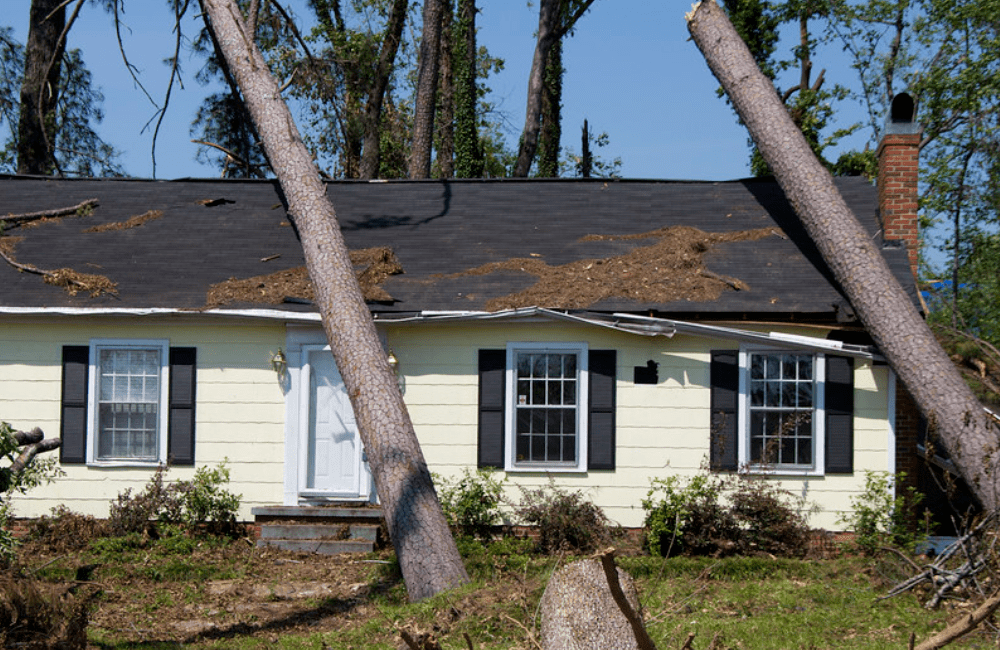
x,y
417,528
39,88
427,81
952,411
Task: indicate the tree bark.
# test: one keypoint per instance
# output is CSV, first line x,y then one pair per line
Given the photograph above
x,y
954,415
423,109
372,148
417,528
446,95
551,131
468,152
39,88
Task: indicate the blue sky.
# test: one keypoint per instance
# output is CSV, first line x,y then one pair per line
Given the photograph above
x,y
631,71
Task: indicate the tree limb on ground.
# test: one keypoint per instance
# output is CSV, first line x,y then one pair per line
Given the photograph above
x,y
77,210
962,626
638,627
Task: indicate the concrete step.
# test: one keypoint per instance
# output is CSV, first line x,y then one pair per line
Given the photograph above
x,y
335,513
367,532
321,547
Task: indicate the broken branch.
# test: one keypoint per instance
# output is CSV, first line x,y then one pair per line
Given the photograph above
x,y
962,626
77,210
638,627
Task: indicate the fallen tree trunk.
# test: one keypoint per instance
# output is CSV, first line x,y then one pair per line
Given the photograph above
x,y
427,554
953,413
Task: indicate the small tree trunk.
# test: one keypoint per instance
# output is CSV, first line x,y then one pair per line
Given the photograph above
x,y
548,15
551,133
468,152
446,96
39,88
371,151
423,110
427,554
952,411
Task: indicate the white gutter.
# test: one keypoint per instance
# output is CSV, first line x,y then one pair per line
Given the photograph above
x,y
269,314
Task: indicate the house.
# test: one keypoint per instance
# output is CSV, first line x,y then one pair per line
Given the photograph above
x,y
601,332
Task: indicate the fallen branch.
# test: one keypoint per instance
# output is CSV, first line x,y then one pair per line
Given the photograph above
x,y
77,210
73,281
638,627
962,626
28,454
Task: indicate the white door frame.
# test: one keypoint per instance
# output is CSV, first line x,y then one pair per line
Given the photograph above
x,y
300,342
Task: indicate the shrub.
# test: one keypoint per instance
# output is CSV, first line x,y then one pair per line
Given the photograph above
x,y
202,500
65,530
879,517
564,520
709,515
472,503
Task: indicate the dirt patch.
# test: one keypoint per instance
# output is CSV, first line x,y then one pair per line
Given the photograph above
x,y
134,222
669,270
372,266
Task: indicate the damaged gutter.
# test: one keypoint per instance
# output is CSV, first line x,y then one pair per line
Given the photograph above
x,y
651,326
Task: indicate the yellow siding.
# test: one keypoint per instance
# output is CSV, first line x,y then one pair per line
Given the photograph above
x,y
661,429
239,415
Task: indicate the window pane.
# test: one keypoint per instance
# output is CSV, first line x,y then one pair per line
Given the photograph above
x,y
805,399
523,421
806,367
569,393
538,365
555,392
523,441
788,393
569,365
538,392
773,370
805,452
788,366
523,365
537,448
555,365
554,420
538,420
773,390
569,449
757,366
554,451
569,421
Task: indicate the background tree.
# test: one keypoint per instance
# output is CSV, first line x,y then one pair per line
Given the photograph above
x,y
427,82
40,87
427,554
555,19
69,143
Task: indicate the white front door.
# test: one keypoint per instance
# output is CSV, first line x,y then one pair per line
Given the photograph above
x,y
333,463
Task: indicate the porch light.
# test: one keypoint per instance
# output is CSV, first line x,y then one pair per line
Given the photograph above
x,y
279,363
393,362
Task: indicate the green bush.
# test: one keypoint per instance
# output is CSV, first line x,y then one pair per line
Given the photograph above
x,y
879,517
710,515
564,520
471,504
201,501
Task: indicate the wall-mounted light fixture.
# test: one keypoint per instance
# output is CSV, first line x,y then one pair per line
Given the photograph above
x,y
394,365
279,363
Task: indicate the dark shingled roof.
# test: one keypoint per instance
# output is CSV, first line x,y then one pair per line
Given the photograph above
x,y
434,227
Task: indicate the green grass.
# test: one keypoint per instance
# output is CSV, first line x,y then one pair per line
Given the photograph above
x,y
756,603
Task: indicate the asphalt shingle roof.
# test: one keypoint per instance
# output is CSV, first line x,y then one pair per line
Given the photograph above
x,y
434,228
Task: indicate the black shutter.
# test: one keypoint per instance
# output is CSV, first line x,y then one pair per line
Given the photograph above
x,y
601,422
839,401
73,422
180,437
492,380
724,436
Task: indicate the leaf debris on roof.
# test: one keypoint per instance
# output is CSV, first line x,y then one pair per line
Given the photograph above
x,y
134,222
372,267
669,270
72,281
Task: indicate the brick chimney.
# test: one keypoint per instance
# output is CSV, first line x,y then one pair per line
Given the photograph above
x,y
897,177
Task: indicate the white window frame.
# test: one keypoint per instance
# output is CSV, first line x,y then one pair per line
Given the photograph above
x,y
93,406
582,405
819,415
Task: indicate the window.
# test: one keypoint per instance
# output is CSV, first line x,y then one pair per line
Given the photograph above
x,y
789,412
547,407
128,402
129,397
781,410
546,400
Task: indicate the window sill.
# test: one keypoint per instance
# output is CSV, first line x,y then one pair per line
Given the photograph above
x,y
785,471
111,464
545,469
